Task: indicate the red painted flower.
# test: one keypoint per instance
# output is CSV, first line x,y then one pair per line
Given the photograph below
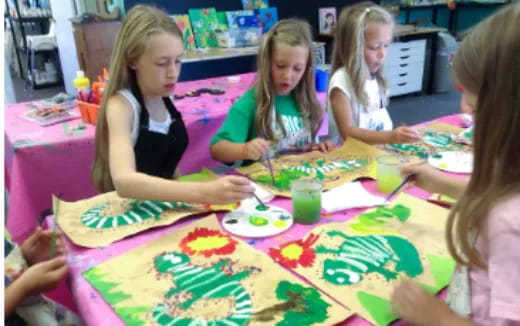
x,y
296,252
203,241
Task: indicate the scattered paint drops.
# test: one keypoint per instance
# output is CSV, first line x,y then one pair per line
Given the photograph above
x,y
285,217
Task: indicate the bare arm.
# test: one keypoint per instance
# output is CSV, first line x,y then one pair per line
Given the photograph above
x,y
433,180
228,152
14,295
342,110
130,183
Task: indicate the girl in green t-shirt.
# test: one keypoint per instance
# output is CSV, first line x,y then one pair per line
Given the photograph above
x,y
280,113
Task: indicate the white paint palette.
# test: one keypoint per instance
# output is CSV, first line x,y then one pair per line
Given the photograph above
x,y
456,162
257,221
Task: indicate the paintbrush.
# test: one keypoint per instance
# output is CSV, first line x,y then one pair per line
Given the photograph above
x,y
259,200
52,249
269,166
399,187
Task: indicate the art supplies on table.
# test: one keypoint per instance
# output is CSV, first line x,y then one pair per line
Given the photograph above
x,y
352,161
359,262
264,195
200,275
347,196
46,114
435,138
199,92
442,200
455,162
257,221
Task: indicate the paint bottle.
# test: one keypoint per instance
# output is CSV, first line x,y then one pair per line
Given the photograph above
x,y
82,85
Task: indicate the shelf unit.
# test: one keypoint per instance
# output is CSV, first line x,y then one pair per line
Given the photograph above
x,y
25,56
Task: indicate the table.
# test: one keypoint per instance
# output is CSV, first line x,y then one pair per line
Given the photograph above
x,y
41,161
94,309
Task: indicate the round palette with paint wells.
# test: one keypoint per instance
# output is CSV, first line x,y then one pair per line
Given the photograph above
x,y
257,221
456,162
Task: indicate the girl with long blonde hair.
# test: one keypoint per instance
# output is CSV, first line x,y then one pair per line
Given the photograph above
x,y
140,135
281,112
357,95
483,230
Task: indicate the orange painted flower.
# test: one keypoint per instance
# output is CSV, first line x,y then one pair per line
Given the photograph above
x,y
203,241
296,252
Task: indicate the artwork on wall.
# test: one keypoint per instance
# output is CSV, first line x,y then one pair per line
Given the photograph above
x,y
255,4
204,23
353,160
435,138
222,21
183,21
327,20
359,262
106,218
267,18
198,275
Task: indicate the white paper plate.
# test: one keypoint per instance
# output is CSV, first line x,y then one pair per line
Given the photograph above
x,y
456,162
254,222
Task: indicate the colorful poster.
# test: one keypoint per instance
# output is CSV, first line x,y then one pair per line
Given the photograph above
x,y
435,138
359,262
353,160
199,275
327,20
222,21
232,16
267,18
106,218
255,4
204,23
183,21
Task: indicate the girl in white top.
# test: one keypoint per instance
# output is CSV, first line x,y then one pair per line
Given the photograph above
x,y
358,93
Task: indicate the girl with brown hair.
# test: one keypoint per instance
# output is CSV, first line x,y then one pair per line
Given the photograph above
x,y
483,230
140,135
280,113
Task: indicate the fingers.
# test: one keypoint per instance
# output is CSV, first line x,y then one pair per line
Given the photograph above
x,y
258,147
35,235
55,263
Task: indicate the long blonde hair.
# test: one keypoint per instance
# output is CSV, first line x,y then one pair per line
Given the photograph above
x,y
292,32
349,45
487,65
139,25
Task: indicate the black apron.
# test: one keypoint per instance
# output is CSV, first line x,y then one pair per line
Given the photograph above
x,y
159,154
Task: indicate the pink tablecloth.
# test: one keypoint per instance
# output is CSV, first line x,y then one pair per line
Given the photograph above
x,y
97,312
41,161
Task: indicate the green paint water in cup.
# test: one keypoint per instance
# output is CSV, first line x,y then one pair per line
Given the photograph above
x,y
388,173
306,200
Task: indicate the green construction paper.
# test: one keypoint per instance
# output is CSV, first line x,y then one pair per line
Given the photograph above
x,y
378,308
442,269
130,315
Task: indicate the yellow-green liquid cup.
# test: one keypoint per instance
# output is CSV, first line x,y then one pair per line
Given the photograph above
x,y
306,200
388,173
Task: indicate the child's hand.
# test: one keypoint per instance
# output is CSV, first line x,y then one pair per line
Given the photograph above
x,y
404,135
229,189
37,247
325,146
255,149
415,305
43,276
425,176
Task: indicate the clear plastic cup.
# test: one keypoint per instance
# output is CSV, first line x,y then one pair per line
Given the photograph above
x,y
388,173
306,200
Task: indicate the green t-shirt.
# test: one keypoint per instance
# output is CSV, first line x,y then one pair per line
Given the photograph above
x,y
239,126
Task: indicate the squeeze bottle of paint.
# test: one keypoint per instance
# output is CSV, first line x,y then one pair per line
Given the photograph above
x,y
82,86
